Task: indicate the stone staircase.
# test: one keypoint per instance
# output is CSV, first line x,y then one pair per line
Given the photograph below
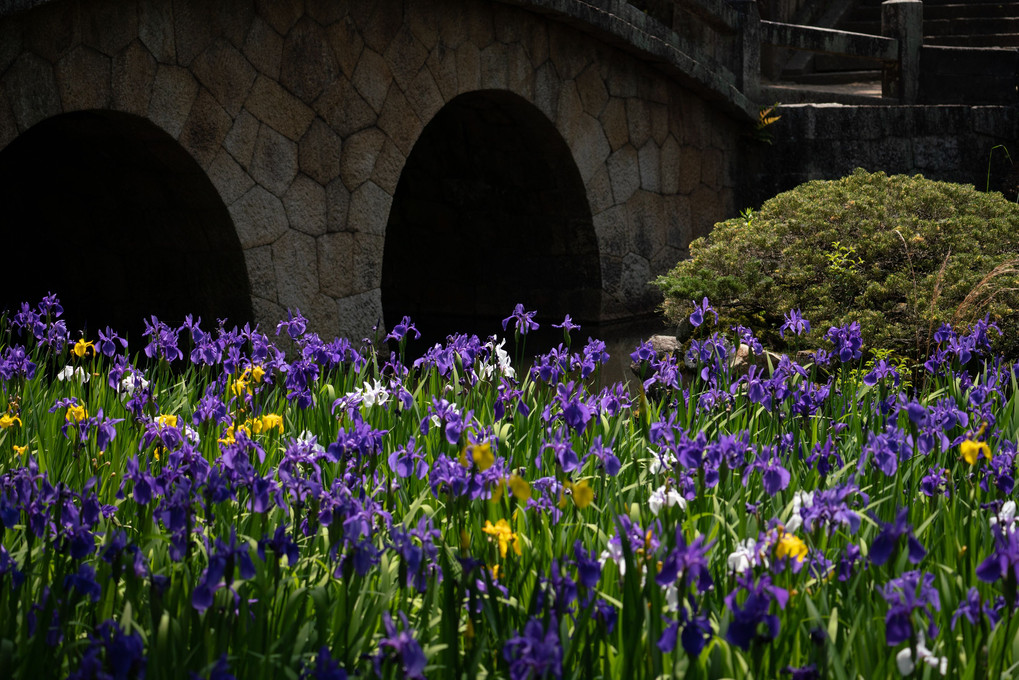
x,y
950,22
947,23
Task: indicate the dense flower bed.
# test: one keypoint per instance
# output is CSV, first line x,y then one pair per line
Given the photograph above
x,y
208,505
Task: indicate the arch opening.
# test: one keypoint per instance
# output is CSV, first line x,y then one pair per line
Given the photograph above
x,y
114,216
490,211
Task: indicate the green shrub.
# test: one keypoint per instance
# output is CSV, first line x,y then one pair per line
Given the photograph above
x,y
899,254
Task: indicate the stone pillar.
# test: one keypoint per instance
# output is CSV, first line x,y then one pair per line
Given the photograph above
x,y
749,75
903,20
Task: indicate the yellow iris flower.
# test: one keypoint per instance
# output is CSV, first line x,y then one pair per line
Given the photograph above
x,y
483,456
167,420
267,422
230,436
7,420
581,493
971,451
520,488
791,546
76,414
501,531
81,348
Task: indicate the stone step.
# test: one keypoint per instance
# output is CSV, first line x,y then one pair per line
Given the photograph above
x,y
970,26
859,94
969,9
991,40
837,77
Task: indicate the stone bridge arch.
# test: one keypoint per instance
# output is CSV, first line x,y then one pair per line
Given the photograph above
x,y
302,113
112,214
490,211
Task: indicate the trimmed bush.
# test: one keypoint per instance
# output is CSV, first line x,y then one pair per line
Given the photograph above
x,y
899,254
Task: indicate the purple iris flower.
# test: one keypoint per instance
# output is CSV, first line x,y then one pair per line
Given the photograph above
x,y
603,453
15,363
971,609
774,477
162,341
830,509
295,325
112,654
1004,562
567,324
448,476
794,323
84,581
409,460
588,567
143,482
882,370
935,483
536,653
524,320
747,337
108,341
748,616
402,329
564,453
888,538
847,341
699,310
847,562
696,633
808,672
418,562
687,563
220,570
8,565
575,412
913,591
887,449
403,647
325,668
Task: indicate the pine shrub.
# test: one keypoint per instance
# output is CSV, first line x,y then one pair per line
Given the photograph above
x,y
901,255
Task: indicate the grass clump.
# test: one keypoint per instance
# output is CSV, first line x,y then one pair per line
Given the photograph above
x,y
902,255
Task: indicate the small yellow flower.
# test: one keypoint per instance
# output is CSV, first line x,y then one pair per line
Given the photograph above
x,y
520,488
497,493
482,455
257,372
230,436
167,420
240,385
791,546
19,449
81,348
581,493
267,422
76,414
971,451
501,531
7,420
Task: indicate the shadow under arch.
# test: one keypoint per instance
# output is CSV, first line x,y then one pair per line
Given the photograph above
x,y
114,216
490,211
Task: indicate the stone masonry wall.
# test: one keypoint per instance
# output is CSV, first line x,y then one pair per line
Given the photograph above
x,y
303,112
951,143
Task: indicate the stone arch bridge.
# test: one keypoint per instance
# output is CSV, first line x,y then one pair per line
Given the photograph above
x,y
357,159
